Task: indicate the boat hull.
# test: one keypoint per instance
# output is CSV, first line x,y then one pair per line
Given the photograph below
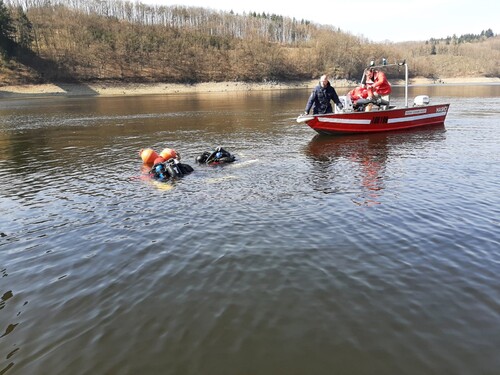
x,y
377,121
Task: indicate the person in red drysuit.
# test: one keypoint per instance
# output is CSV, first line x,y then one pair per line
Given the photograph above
x,y
377,84
356,94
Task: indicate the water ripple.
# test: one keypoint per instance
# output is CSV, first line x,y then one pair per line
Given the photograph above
x,y
375,254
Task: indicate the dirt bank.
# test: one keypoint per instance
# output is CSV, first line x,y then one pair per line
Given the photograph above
x,y
112,89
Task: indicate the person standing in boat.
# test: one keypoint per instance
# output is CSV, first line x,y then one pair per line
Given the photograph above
x,y
378,87
321,97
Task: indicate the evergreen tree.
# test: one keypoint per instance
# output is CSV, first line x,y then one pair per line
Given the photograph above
x,y
24,35
433,49
489,33
6,29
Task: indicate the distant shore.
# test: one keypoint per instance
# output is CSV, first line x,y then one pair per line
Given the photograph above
x,y
116,89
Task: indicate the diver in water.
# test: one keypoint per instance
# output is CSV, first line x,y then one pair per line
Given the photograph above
x,y
169,169
218,156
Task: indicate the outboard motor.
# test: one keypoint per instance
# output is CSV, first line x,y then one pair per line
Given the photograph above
x,y
421,100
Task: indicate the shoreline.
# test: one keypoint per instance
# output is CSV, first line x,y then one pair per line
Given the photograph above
x,y
117,89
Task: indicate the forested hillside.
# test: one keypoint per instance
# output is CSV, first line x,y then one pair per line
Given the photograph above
x,y
91,40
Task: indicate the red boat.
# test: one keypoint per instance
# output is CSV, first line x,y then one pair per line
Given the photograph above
x,y
382,116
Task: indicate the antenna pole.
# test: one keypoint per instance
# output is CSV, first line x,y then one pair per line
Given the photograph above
x,y
406,84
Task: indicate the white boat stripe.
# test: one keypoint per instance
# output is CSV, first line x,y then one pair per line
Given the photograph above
x,y
345,120
413,118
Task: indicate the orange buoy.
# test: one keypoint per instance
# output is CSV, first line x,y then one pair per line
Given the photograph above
x,y
168,153
148,155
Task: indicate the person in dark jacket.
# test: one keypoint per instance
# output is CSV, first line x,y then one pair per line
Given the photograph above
x,y
321,97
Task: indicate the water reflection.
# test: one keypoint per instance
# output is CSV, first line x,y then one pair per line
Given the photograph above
x,y
358,165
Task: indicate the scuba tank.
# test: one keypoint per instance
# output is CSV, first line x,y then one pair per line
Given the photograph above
x,y
172,167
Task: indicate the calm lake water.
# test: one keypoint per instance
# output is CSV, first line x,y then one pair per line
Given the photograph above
x,y
372,254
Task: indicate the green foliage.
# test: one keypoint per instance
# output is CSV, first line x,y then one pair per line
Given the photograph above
x,y
24,28
6,29
466,38
487,33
